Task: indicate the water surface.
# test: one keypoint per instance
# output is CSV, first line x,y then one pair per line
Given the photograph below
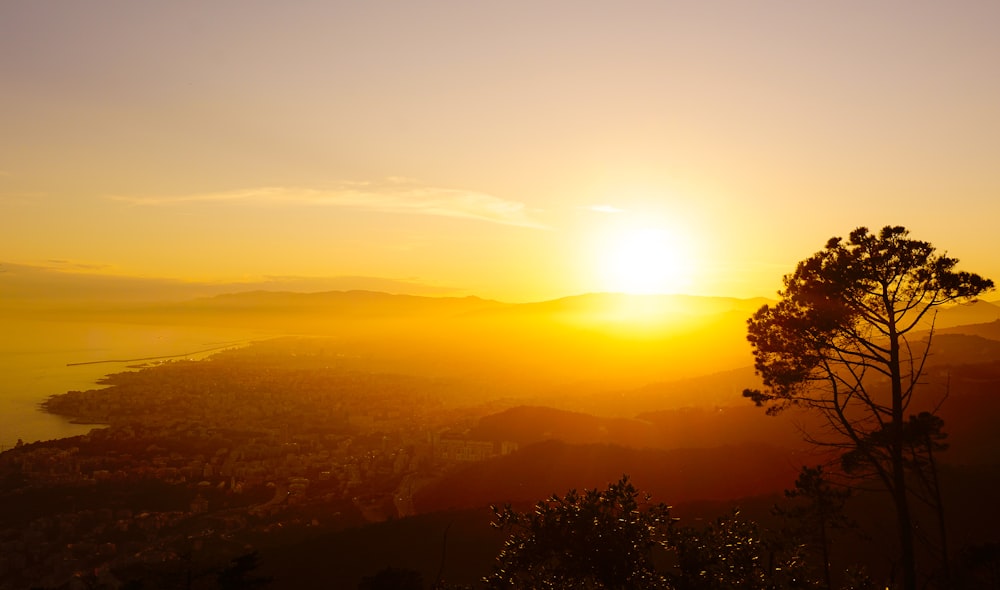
x,y
39,358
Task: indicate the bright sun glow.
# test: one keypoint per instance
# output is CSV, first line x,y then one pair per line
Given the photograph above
x,y
645,260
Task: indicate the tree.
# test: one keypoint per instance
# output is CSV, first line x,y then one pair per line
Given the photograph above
x,y
238,574
598,539
817,510
736,553
845,325
611,539
392,578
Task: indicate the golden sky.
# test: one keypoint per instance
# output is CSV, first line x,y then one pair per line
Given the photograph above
x,y
513,150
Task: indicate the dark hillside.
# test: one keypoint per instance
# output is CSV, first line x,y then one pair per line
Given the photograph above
x,y
968,313
681,475
689,427
468,545
989,330
531,424
458,545
958,349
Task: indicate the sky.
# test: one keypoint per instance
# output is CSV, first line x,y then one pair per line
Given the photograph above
x,y
513,150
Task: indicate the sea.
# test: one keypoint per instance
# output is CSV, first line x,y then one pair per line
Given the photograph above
x,y
41,358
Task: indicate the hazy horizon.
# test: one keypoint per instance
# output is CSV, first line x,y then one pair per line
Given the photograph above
x,y
26,283
50,281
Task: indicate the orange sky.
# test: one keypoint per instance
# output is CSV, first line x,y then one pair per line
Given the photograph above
x,y
513,150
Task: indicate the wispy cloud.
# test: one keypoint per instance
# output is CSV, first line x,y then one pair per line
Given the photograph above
x,y
606,209
71,265
392,196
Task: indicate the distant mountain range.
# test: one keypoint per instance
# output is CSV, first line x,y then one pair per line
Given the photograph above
x,y
591,308
62,283
52,287
355,304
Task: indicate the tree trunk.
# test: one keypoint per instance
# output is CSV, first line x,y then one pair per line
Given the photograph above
x,y
825,544
939,502
905,523
899,494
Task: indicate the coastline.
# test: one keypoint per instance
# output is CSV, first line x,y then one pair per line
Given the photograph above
x,y
40,358
106,381
146,359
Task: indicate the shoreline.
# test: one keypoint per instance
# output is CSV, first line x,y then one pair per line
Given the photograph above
x,y
148,362
162,357
84,422
41,358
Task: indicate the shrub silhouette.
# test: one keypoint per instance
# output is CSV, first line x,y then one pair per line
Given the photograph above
x,y
597,539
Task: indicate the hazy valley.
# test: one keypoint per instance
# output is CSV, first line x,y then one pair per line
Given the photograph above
x,y
379,421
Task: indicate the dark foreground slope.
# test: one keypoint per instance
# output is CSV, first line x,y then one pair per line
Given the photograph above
x,y
680,475
459,546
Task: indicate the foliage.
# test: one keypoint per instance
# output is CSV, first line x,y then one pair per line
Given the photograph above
x,y
392,578
841,329
597,539
817,509
859,579
841,309
609,539
980,566
725,554
823,505
736,553
238,574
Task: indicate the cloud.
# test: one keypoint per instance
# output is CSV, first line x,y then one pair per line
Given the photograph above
x,y
394,195
70,265
606,209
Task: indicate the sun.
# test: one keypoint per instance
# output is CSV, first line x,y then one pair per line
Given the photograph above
x,y
645,260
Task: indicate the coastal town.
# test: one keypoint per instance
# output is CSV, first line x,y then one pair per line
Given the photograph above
x,y
194,463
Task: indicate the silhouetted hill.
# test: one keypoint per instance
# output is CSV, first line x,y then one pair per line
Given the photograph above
x,y
351,304
533,472
957,345
969,399
978,312
64,285
703,426
717,389
989,330
460,546
682,428
962,381
531,424
963,348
